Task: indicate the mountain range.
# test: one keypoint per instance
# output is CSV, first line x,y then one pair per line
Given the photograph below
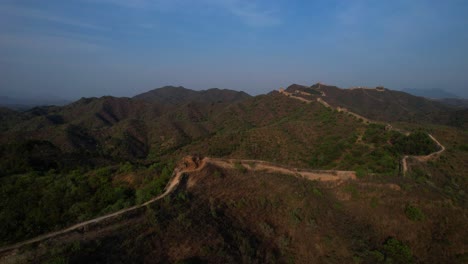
x,y
27,103
431,93
243,194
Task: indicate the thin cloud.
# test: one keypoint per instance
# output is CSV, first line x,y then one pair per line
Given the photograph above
x,y
124,3
249,12
47,43
142,4
252,14
41,15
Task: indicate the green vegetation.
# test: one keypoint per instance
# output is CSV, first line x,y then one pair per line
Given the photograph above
x,y
317,192
463,147
239,167
267,229
417,143
273,218
414,213
397,252
296,216
97,155
374,202
381,150
352,190
392,251
153,186
36,203
330,149
30,155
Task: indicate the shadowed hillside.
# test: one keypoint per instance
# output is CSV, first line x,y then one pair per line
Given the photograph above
x,y
180,95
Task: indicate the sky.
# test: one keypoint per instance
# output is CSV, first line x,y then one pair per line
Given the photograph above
x,y
82,48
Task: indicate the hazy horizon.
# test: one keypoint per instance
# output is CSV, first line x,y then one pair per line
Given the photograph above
x,y
86,48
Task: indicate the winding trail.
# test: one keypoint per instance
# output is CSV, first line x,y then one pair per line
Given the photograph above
x,y
191,164
404,161
170,187
423,158
263,166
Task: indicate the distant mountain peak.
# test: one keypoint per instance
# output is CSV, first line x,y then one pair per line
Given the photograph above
x,y
435,93
180,95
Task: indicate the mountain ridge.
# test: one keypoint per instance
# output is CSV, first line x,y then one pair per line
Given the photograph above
x,y
435,93
379,103
179,95
96,156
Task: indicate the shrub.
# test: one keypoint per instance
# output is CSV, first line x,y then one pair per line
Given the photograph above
x,y
374,202
238,166
295,215
151,216
267,229
397,252
317,192
361,172
463,147
414,214
57,260
351,189
417,143
126,167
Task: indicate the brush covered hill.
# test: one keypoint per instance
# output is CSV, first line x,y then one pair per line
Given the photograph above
x,y
180,95
454,102
459,119
233,215
273,127
380,103
103,130
62,165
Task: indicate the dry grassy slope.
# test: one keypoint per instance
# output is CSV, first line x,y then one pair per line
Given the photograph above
x,y
129,129
8,118
114,128
229,216
275,128
254,216
381,104
270,127
446,175
459,119
454,102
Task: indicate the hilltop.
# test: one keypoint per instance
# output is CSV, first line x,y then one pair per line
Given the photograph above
x,y
380,104
180,95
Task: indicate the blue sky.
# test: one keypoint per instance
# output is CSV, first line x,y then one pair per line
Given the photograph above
x,y
76,48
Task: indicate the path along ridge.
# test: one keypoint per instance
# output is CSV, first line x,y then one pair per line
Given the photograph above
x,y
252,165
191,164
404,162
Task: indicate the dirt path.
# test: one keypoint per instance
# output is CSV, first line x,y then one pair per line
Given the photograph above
x,y
423,158
404,161
258,165
295,97
173,183
188,165
321,101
